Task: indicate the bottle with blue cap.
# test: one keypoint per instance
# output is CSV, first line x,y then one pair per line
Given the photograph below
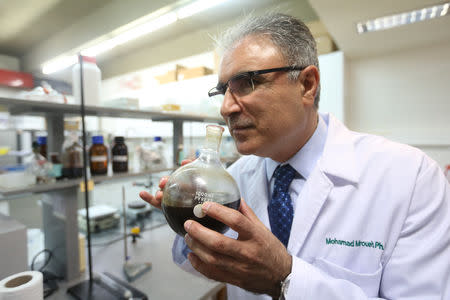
x,y
42,143
98,156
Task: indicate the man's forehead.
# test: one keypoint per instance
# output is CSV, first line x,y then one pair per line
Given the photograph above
x,y
248,54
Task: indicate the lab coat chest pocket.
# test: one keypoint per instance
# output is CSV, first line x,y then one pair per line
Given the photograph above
x,y
368,282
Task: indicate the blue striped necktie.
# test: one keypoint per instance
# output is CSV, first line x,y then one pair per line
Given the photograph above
x,y
281,211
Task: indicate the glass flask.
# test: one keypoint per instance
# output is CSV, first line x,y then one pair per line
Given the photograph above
x,y
204,179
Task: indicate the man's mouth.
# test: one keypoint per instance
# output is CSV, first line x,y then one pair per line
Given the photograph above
x,y
237,125
240,128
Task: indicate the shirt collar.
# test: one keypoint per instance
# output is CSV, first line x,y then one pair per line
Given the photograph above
x,y
306,158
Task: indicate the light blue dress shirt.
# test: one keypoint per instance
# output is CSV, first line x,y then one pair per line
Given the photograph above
x,y
303,161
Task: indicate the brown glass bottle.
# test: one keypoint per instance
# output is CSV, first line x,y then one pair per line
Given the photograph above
x,y
98,156
42,142
119,155
72,157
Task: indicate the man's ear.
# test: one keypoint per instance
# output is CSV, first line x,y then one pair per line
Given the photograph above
x,y
309,79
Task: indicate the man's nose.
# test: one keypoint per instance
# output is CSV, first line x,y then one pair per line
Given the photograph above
x,y
230,105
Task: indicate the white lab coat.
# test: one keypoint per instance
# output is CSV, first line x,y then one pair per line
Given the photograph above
x,y
372,221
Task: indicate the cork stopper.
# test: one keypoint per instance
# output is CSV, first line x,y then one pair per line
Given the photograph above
x,y
213,137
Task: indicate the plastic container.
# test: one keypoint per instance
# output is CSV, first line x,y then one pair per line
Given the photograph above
x,y
92,78
204,179
119,155
98,156
152,156
16,177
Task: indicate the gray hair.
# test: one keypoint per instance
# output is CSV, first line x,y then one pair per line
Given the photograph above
x,y
290,35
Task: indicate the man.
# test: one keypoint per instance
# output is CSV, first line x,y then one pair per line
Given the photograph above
x,y
327,213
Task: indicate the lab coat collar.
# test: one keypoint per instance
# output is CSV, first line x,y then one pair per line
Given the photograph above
x,y
339,155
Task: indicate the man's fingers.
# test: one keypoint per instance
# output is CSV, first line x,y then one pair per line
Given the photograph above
x,y
210,260
208,270
150,199
185,161
207,255
230,217
163,181
159,196
211,239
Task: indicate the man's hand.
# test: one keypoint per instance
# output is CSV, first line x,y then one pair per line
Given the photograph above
x,y
156,200
257,261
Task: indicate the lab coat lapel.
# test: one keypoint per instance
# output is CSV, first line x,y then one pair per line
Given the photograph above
x,y
337,163
308,206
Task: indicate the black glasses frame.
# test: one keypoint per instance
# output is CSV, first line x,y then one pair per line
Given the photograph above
x,y
221,88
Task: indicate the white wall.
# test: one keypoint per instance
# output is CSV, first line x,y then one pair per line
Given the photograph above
x,y
332,84
404,96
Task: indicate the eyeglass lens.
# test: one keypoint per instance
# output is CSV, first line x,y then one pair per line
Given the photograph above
x,y
241,85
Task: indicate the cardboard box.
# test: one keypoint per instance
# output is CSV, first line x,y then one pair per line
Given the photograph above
x,y
170,76
166,78
193,73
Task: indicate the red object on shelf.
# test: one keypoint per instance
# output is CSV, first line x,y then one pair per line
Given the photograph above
x,y
16,79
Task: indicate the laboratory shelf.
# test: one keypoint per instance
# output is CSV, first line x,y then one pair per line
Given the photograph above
x,y
17,106
70,183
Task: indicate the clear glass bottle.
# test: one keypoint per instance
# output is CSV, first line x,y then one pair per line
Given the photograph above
x,y
204,179
39,166
158,154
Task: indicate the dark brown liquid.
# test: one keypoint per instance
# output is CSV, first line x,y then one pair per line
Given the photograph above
x,y
72,172
176,216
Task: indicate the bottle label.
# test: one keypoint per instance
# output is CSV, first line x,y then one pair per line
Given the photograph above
x,y
120,158
99,158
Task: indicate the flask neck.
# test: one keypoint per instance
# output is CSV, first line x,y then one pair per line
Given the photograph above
x,y
209,156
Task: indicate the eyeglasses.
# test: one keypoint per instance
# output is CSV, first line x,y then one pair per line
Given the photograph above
x,y
243,84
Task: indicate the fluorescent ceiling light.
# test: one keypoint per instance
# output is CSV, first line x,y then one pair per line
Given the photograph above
x,y
196,7
131,34
112,40
405,18
59,63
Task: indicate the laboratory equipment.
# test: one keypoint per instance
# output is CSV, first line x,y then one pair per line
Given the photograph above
x,y
204,179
